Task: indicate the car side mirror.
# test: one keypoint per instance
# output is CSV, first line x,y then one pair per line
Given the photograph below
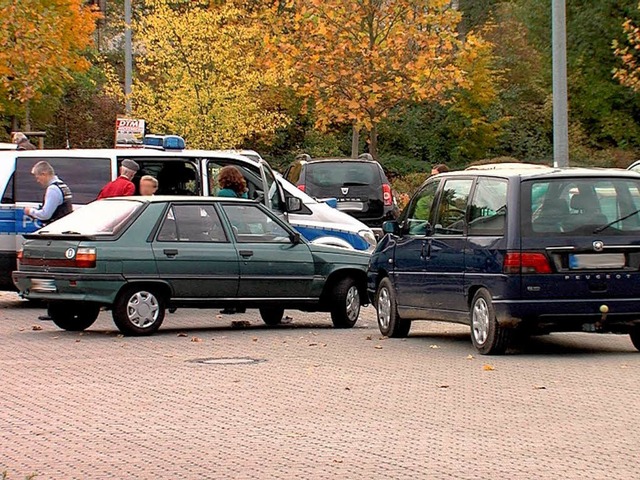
x,y
294,204
295,238
391,227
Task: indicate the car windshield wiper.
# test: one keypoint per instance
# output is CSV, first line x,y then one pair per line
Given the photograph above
x,y
70,232
353,184
604,227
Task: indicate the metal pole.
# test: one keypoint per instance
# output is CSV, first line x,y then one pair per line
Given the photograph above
x,y
560,104
128,57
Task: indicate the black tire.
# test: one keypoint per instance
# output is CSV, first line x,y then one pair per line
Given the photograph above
x,y
272,315
73,316
139,310
634,334
487,336
389,322
345,303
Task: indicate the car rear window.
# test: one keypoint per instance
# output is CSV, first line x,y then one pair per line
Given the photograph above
x,y
341,174
582,206
104,217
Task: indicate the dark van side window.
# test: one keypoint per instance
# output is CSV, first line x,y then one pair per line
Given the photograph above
x,y
488,207
85,177
175,176
419,213
584,206
452,209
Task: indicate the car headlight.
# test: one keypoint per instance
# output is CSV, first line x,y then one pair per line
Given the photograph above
x,y
369,237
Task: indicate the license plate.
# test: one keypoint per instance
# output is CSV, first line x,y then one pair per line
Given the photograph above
x,y
600,260
350,206
43,285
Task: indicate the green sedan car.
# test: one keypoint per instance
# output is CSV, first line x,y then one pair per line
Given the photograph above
x,y
139,256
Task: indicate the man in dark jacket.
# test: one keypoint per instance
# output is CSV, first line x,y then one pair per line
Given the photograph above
x,y
57,201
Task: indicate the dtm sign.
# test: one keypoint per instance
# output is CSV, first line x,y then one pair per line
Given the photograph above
x,y
129,132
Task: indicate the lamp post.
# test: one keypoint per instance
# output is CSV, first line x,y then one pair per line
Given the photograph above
x,y
560,104
128,57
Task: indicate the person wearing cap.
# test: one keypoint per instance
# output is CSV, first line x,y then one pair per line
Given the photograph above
x,y
121,186
22,141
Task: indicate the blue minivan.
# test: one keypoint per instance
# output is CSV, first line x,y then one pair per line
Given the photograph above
x,y
514,251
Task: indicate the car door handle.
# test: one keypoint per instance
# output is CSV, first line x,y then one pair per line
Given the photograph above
x,y
246,253
170,252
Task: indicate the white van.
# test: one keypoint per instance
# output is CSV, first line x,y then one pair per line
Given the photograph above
x,y
180,172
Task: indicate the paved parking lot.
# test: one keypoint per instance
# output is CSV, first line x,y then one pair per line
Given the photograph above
x,y
316,403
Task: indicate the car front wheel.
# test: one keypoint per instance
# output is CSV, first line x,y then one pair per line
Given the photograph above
x,y
389,322
487,335
139,310
272,315
73,316
345,307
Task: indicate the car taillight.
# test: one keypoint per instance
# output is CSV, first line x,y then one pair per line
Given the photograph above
x,y
301,187
386,195
86,257
526,262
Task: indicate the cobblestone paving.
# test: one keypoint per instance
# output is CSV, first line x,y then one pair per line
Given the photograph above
x,y
320,404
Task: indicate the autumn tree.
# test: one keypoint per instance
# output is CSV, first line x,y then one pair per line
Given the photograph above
x,y
197,74
41,46
629,73
358,60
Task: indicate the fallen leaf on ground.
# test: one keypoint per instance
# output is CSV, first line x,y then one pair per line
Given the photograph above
x,y
77,340
218,316
434,346
196,339
378,347
36,327
487,368
470,357
347,388
255,339
313,344
443,386
369,337
383,338
540,387
181,334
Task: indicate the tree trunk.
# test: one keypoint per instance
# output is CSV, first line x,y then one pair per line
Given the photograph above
x,y
373,142
355,141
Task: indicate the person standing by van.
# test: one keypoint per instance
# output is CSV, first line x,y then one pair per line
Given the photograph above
x,y
121,186
232,183
57,201
23,142
148,185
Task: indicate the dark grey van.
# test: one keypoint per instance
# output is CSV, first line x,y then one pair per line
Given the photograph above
x,y
507,251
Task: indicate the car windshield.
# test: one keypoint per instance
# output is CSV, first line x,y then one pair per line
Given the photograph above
x,y
103,217
582,206
341,174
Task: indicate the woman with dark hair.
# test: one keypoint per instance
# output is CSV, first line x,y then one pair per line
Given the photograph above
x,y
232,183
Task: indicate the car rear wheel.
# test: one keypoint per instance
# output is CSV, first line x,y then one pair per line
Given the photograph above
x,y
487,335
272,315
634,334
345,307
389,322
73,316
139,310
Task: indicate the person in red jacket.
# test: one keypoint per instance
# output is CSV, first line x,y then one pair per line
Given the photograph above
x,y
121,186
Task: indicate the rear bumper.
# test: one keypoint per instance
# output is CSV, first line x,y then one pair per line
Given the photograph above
x,y
568,314
96,288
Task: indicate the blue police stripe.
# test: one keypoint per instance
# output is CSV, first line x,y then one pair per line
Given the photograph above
x,y
311,233
14,221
